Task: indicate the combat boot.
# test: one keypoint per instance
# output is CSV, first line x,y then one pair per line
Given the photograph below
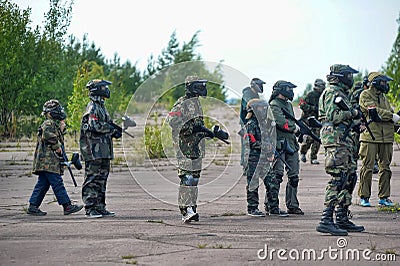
x,y
326,224
34,210
343,222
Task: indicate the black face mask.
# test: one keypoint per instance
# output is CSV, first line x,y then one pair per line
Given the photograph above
x,y
102,91
381,85
197,89
58,113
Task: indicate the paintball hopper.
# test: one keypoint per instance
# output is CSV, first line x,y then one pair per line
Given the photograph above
x,y
75,161
373,114
128,122
341,104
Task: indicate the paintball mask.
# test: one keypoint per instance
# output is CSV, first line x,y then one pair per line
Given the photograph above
x,y
379,81
55,109
344,73
257,85
99,87
285,88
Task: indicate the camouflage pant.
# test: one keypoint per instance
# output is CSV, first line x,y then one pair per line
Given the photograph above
x,y
254,172
188,190
340,164
94,187
310,142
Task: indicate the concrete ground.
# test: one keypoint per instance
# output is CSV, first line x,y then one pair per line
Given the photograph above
x,y
149,231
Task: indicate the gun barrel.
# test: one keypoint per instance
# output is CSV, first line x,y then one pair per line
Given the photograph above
x,y
68,164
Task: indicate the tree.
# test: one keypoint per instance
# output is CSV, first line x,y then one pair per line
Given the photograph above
x,y
78,100
392,69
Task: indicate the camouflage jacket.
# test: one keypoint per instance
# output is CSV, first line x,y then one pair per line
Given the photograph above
x,y
248,94
95,139
383,131
334,120
257,143
284,127
185,116
49,139
309,104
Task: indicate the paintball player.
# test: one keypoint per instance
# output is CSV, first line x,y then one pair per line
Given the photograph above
x,y
188,130
339,150
96,147
47,159
382,147
259,138
355,102
282,94
252,92
309,105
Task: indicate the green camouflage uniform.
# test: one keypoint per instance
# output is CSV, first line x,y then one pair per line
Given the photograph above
x,y
258,145
285,131
339,149
309,105
185,116
97,150
50,138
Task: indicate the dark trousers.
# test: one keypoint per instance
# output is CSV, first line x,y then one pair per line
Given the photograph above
x,y
45,180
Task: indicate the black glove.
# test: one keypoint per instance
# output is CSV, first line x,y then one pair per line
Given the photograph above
x,y
219,133
201,128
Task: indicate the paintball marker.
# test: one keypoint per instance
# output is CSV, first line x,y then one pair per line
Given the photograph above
x,y
127,122
220,134
74,161
285,149
304,129
372,113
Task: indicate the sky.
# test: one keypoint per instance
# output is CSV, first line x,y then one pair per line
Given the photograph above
x,y
287,39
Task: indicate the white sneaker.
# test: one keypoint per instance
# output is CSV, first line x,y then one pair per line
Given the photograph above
x,y
190,215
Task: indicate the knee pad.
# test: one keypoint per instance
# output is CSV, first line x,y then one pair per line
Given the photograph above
x,y
294,181
189,180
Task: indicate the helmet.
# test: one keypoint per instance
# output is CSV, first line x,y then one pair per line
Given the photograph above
x,y
258,107
195,87
365,81
344,73
55,109
99,87
285,88
319,84
257,85
379,81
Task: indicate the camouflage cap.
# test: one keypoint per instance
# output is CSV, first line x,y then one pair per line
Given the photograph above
x,y
50,105
319,83
373,75
338,68
190,79
94,83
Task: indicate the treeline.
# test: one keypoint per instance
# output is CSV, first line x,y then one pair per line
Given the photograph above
x,y
37,64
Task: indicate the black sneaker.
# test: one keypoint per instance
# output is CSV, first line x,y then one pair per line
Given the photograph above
x,y
34,210
297,211
255,213
303,158
92,213
106,213
278,212
72,208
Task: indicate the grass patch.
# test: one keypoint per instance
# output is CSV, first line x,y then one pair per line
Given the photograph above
x,y
390,251
202,246
221,246
393,209
128,257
